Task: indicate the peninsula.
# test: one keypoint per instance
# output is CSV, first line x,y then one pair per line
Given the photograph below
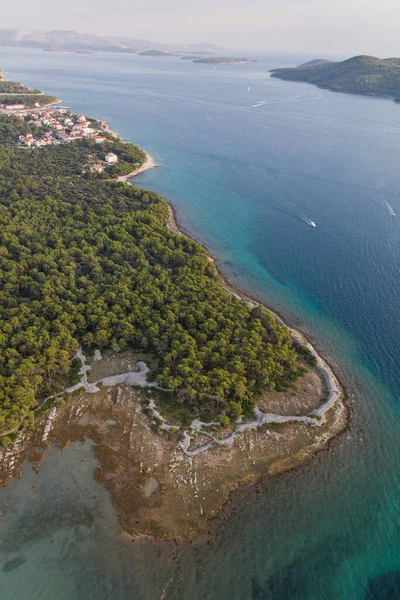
x,y
13,93
117,327
357,75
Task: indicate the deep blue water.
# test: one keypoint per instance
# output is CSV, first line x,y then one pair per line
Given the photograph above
x,y
245,169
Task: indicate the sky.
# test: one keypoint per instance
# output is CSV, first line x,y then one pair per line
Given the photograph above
x,y
320,27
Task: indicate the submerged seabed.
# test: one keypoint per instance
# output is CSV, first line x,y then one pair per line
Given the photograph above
x,y
243,178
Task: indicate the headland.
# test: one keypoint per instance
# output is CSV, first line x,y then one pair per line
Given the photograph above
x,y
188,387
365,75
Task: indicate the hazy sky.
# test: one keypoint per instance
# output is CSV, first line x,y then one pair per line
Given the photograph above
x,y
318,26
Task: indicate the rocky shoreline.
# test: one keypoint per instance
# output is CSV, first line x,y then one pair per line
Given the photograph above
x,y
159,487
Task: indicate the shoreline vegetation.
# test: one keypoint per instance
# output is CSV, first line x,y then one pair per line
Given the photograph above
x,y
178,422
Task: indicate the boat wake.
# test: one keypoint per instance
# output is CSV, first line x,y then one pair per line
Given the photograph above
x,y
390,209
288,100
260,104
309,222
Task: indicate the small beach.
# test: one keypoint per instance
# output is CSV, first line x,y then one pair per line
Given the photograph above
x,y
149,163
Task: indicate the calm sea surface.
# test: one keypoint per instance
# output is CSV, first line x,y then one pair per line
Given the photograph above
x,y
245,169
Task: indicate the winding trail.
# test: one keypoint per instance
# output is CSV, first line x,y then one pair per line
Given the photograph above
x,y
316,418
130,378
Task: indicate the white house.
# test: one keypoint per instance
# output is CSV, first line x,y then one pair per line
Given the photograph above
x,y
111,158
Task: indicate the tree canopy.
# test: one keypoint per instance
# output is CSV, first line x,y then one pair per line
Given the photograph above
x,y
93,262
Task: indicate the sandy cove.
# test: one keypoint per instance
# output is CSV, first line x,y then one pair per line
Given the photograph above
x,y
149,163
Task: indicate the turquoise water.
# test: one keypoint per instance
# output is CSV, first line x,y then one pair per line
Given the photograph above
x,y
244,179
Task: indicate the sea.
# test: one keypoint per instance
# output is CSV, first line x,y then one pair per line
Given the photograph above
x,y
248,161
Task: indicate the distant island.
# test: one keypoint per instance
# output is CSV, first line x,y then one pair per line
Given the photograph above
x,y
154,52
221,60
365,75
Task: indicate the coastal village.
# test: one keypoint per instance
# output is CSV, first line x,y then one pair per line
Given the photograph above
x,y
58,126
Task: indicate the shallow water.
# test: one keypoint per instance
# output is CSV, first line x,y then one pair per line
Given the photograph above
x,y
245,170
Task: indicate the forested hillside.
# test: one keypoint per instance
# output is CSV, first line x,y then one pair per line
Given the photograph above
x,y
92,262
359,74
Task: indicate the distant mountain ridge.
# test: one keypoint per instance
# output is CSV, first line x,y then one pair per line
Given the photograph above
x,y
362,74
72,40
